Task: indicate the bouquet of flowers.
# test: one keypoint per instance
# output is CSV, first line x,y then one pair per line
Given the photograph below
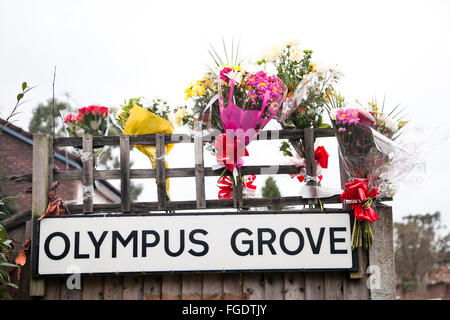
x,y
363,135
247,102
91,120
140,117
304,105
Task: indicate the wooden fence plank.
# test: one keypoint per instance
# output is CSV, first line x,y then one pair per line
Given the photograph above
x,y
125,192
92,288
113,287
152,287
42,178
133,287
314,286
212,286
232,286
70,294
199,167
308,144
171,286
356,289
253,286
184,138
191,288
381,256
53,289
88,174
294,286
71,175
274,286
161,171
145,207
334,285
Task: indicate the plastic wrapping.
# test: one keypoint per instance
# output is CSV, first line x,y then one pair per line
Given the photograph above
x,y
93,120
141,122
246,109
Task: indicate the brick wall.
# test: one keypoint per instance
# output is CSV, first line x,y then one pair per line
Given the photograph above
x,y
16,158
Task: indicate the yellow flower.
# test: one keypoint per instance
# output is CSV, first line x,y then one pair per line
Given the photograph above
x,y
313,67
401,124
374,107
196,89
179,115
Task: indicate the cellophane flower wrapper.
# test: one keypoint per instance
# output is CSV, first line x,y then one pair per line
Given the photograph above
x,y
246,106
364,153
244,111
314,82
367,157
92,120
141,122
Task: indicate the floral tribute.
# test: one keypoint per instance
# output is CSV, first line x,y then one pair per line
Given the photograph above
x,y
364,135
140,117
92,120
246,103
304,105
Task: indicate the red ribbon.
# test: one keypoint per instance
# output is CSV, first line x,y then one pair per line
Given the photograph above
x,y
321,155
225,146
226,186
358,190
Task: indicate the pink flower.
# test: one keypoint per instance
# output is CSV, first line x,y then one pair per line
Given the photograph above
x,y
79,117
223,74
342,130
261,83
342,116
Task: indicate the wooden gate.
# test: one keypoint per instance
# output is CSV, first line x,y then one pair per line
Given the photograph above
x,y
374,280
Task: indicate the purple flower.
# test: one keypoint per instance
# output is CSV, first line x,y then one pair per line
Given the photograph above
x,y
341,116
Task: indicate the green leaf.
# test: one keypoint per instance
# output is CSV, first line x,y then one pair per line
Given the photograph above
x,y
19,96
24,86
13,285
2,233
6,264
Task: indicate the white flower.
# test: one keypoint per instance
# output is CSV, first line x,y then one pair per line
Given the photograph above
x,y
160,109
235,75
271,54
296,55
291,43
389,123
333,113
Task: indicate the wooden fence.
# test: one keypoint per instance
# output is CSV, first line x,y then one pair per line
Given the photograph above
x,y
253,285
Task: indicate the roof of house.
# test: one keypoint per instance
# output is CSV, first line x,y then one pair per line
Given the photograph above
x,y
66,157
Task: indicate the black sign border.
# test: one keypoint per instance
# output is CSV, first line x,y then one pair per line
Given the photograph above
x,y
36,235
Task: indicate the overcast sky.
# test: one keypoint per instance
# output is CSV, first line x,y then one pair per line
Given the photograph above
x,y
108,51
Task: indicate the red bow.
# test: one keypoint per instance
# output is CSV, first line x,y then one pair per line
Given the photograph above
x,y
226,186
358,190
321,155
225,146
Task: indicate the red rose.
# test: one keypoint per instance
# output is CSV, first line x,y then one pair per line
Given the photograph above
x,y
83,110
79,117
